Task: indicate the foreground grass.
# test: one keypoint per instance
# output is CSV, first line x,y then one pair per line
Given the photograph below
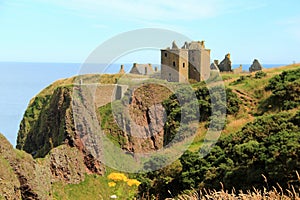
x,y
274,193
225,195
93,187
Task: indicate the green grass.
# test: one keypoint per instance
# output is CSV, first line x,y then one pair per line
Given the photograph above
x,y
229,76
108,124
93,187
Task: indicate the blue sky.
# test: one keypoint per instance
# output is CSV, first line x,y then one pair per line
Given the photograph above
x,y
68,31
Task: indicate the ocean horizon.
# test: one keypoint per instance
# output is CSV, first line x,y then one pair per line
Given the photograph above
x,y
21,81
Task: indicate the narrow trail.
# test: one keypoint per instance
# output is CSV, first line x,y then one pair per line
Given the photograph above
x,y
245,97
249,103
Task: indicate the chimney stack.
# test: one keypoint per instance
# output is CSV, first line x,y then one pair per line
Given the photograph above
x,y
122,71
216,62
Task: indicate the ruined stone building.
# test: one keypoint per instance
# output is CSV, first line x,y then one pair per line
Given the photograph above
x,y
238,70
122,71
256,66
142,69
225,65
215,65
191,61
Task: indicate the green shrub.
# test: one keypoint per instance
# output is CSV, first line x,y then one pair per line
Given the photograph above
x,y
268,146
285,89
260,74
213,104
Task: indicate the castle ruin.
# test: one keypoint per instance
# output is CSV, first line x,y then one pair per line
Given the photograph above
x,y
142,69
191,61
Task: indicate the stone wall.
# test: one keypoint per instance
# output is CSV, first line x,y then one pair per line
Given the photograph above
x,y
205,64
238,70
194,64
174,65
106,93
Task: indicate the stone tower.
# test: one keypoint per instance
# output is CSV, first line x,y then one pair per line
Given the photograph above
x,y
174,64
199,61
191,61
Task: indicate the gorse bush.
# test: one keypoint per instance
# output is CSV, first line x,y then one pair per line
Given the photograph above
x,y
212,105
121,186
260,74
285,89
268,146
240,80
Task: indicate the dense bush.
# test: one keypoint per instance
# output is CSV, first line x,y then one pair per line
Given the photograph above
x,y
240,80
212,104
270,146
260,74
285,89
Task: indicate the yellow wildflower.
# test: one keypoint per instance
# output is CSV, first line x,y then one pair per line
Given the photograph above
x,y
117,177
111,184
132,182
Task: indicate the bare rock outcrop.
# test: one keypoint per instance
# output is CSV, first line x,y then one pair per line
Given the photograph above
x,y
26,178
9,182
22,177
67,164
145,133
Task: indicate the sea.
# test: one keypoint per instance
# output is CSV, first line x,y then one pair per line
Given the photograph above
x,y
21,81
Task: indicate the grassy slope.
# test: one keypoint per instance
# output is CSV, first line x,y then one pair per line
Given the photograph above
x,y
93,187
252,93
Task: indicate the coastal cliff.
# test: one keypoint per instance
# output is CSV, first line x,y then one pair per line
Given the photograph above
x,y
53,159
138,124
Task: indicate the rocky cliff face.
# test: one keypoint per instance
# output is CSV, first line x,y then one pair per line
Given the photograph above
x,y
48,123
29,179
22,177
140,122
144,132
52,125
9,182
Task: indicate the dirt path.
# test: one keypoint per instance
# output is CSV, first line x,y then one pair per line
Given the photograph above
x,y
249,103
